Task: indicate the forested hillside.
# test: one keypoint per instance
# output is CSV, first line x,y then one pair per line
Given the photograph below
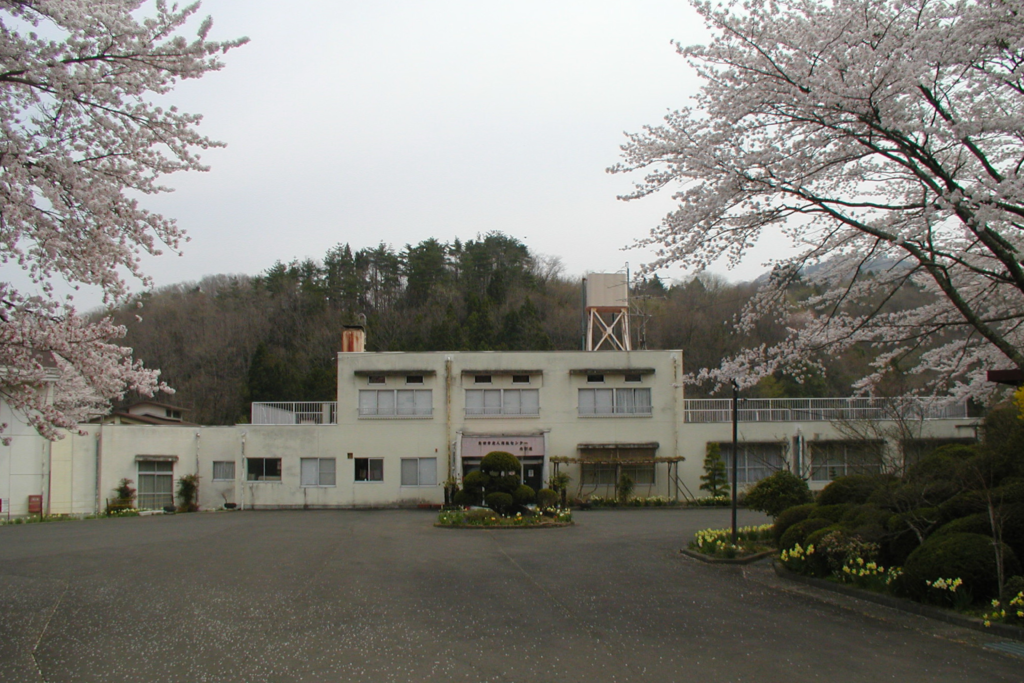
x,y
231,339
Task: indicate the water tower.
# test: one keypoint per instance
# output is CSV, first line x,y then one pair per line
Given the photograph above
x,y
606,307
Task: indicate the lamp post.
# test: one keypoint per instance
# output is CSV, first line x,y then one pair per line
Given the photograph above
x,y
735,467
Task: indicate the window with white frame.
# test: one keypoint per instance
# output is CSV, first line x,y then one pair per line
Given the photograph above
x,y
419,471
632,401
754,460
483,402
395,403
369,469
317,472
263,469
520,379
831,459
223,470
414,379
156,484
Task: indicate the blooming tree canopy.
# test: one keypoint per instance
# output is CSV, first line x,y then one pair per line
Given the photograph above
x,y
81,139
866,132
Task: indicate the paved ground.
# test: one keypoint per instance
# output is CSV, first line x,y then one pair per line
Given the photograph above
x,y
384,596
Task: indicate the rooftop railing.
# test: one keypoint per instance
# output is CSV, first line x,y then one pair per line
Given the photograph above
x,y
295,413
821,409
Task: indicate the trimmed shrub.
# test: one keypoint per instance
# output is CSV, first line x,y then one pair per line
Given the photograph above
x,y
814,538
778,491
968,557
962,505
942,464
788,518
867,521
547,498
1012,517
972,524
523,495
499,502
833,513
505,484
475,483
464,497
798,533
500,463
853,488
901,539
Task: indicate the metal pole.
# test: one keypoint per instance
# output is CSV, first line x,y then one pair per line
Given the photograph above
x,y
735,467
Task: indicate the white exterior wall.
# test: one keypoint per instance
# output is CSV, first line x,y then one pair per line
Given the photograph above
x,y
24,464
65,472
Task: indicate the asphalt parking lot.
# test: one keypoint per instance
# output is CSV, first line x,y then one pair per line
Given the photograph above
x,y
385,596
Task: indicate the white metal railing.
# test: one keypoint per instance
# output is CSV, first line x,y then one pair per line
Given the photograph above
x,y
294,413
821,409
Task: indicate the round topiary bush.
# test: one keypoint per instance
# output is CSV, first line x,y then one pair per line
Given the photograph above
x,y
853,488
788,518
523,495
971,524
942,464
778,491
475,483
547,498
798,533
833,513
499,502
499,463
464,498
968,557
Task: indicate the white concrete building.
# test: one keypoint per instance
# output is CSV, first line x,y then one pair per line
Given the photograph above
x,y
404,423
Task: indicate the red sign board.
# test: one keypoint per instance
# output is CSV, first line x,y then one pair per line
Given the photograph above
x,y
35,505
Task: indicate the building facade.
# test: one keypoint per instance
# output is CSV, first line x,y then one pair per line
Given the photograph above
x,y
405,423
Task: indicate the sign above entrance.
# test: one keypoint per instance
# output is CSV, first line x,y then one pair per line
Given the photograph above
x,y
479,446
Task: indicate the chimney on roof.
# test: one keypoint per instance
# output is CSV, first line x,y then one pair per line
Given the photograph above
x,y
353,339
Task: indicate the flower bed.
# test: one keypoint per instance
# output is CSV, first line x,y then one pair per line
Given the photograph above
x,y
717,543
485,518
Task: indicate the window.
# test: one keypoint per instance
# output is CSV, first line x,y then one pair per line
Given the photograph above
x,y
482,379
520,379
633,377
414,379
480,402
223,470
317,471
615,402
597,474
156,484
419,471
263,469
831,459
607,474
376,379
754,461
395,403
595,379
369,469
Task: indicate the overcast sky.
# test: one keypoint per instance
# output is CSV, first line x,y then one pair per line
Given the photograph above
x,y
391,121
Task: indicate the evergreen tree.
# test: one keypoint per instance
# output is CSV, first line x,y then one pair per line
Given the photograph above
x,y
715,479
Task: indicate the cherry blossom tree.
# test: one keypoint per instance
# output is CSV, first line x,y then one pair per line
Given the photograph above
x,y
884,140
81,140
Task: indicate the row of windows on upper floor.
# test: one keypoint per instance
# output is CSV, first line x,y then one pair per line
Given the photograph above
x,y
592,378
418,403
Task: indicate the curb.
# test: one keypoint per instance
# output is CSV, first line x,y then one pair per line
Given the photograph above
x,y
726,560
996,630
556,525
